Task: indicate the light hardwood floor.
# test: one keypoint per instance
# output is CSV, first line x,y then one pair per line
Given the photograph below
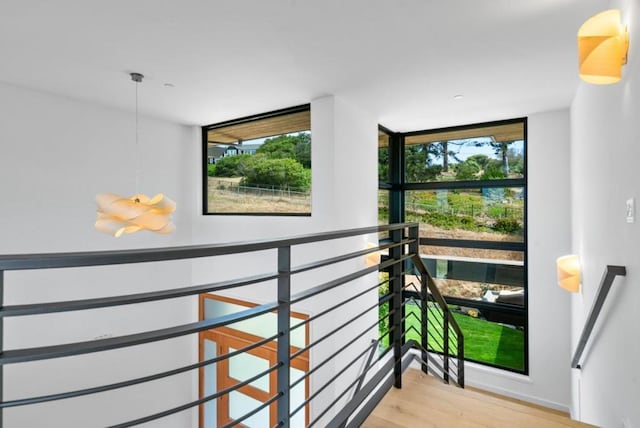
x,y
425,401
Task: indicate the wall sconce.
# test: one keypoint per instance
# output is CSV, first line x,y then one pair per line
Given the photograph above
x,y
569,272
603,43
372,259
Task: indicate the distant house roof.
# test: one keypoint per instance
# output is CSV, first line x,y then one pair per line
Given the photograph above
x,y
215,151
246,147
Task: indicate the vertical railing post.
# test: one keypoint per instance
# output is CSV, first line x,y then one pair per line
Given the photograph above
x,y
414,249
445,345
284,316
424,335
396,305
460,360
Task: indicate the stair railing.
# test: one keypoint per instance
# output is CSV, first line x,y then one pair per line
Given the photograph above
x,y
609,275
441,341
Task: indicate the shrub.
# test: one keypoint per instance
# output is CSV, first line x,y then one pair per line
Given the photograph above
x,y
211,169
280,173
231,166
507,225
467,170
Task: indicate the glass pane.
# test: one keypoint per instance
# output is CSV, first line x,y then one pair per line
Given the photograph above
x,y
485,153
481,291
485,341
511,274
383,207
210,386
245,366
265,325
298,395
383,156
486,214
241,404
260,166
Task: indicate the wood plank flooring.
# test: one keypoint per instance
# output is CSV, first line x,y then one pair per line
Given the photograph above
x,y
425,401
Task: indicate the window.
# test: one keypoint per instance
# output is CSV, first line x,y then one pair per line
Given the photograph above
x,y
259,165
466,186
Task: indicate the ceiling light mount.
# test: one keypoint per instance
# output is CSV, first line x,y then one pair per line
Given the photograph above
x,y
136,77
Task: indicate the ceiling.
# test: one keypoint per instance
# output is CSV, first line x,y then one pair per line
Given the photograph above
x,y
401,60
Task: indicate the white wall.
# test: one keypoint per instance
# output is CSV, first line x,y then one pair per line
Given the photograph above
x,y
549,236
56,154
605,146
344,195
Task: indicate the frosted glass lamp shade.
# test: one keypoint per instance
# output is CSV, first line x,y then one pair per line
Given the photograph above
x,y
602,48
117,215
569,273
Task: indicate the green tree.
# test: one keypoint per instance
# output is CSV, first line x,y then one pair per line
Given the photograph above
x,y
231,166
418,158
467,170
493,170
296,147
279,173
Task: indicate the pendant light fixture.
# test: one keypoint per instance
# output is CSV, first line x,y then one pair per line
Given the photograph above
x,y
118,214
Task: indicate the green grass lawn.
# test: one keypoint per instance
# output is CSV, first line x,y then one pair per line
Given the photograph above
x,y
484,341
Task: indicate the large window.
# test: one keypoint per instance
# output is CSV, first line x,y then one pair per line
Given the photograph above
x,y
466,186
259,165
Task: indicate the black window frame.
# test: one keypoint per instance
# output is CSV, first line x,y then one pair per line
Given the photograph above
x,y
397,187
247,119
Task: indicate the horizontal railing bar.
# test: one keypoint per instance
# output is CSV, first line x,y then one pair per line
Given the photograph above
x,y
470,243
368,401
419,345
336,353
344,257
333,308
78,348
114,257
330,381
298,297
254,411
380,374
308,400
197,402
132,382
332,332
435,293
76,305
479,304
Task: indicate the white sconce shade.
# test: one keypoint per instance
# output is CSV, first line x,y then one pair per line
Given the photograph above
x,y
569,273
603,43
118,215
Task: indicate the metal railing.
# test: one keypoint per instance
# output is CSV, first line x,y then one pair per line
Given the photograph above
x,y
441,341
610,274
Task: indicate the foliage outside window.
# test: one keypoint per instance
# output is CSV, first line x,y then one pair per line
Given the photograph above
x,y
260,164
466,187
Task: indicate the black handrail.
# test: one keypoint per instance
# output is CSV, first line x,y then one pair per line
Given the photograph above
x,y
114,257
609,275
